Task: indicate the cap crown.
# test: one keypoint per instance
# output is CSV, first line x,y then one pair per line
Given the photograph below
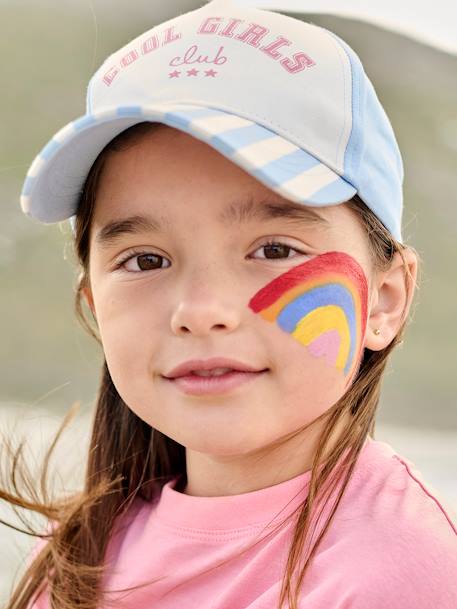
x,y
263,66
297,79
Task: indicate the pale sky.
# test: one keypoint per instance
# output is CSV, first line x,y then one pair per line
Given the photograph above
x,y
433,22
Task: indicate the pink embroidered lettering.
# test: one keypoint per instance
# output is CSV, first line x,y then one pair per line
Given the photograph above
x,y
302,61
190,57
151,44
207,27
228,31
169,37
110,75
270,49
129,58
253,34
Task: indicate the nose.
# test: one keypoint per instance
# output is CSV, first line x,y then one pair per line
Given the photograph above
x,y
205,306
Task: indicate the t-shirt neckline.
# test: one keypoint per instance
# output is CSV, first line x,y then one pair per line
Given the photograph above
x,y
228,512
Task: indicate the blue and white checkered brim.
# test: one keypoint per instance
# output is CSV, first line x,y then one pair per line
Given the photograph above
x,y
56,177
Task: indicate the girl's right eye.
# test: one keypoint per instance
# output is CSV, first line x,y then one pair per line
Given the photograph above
x,y
141,261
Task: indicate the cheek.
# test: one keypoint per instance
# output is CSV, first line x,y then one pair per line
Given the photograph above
x,y
322,305
124,324
129,361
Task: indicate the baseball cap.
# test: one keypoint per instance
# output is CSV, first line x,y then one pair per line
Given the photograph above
x,y
286,100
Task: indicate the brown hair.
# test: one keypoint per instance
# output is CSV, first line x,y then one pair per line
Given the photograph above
x,y
137,460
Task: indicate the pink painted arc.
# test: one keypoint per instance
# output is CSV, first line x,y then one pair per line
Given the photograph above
x,y
327,345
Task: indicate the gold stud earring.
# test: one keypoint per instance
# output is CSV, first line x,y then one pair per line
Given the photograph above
x,y
377,331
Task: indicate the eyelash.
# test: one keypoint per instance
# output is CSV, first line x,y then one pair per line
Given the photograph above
x,y
134,253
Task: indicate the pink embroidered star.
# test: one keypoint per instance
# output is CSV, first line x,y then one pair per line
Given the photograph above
x,y
174,74
192,72
210,73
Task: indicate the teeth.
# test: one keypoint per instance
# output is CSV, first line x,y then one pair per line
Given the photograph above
x,y
213,372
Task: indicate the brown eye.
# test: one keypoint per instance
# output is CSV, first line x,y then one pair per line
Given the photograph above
x,y
147,262
277,250
137,262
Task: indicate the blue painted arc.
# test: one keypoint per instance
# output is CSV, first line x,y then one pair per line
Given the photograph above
x,y
329,294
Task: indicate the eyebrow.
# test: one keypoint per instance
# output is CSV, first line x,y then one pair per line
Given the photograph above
x,y
235,213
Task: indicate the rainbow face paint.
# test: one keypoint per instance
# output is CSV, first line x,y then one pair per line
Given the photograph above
x,y
322,303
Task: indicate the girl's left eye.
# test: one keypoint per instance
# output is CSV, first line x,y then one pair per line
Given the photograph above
x,y
276,249
149,261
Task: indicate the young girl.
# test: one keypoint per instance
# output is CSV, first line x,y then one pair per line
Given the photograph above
x,y
235,192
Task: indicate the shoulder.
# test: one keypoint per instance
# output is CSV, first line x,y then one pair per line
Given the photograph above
x,y
129,527
396,494
404,535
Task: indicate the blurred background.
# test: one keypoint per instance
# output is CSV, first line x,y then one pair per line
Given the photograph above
x,y
49,50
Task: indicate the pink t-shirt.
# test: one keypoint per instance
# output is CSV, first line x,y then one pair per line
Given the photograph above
x,y
392,545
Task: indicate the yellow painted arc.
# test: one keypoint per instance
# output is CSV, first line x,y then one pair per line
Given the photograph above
x,y
323,319
271,313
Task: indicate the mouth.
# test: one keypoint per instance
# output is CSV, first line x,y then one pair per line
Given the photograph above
x,y
205,383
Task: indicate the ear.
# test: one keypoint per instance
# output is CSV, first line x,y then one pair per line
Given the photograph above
x,y
388,298
87,294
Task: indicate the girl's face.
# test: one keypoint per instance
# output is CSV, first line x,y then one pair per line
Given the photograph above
x,y
206,274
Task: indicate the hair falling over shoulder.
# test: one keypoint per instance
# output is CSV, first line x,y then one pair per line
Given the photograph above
x,y
135,462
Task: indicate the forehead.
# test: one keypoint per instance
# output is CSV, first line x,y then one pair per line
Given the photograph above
x,y
166,180
233,213
164,169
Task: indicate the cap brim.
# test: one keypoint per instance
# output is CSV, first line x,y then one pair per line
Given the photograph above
x,y
56,177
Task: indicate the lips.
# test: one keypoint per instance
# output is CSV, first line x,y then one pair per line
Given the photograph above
x,y
228,382
212,372
189,367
